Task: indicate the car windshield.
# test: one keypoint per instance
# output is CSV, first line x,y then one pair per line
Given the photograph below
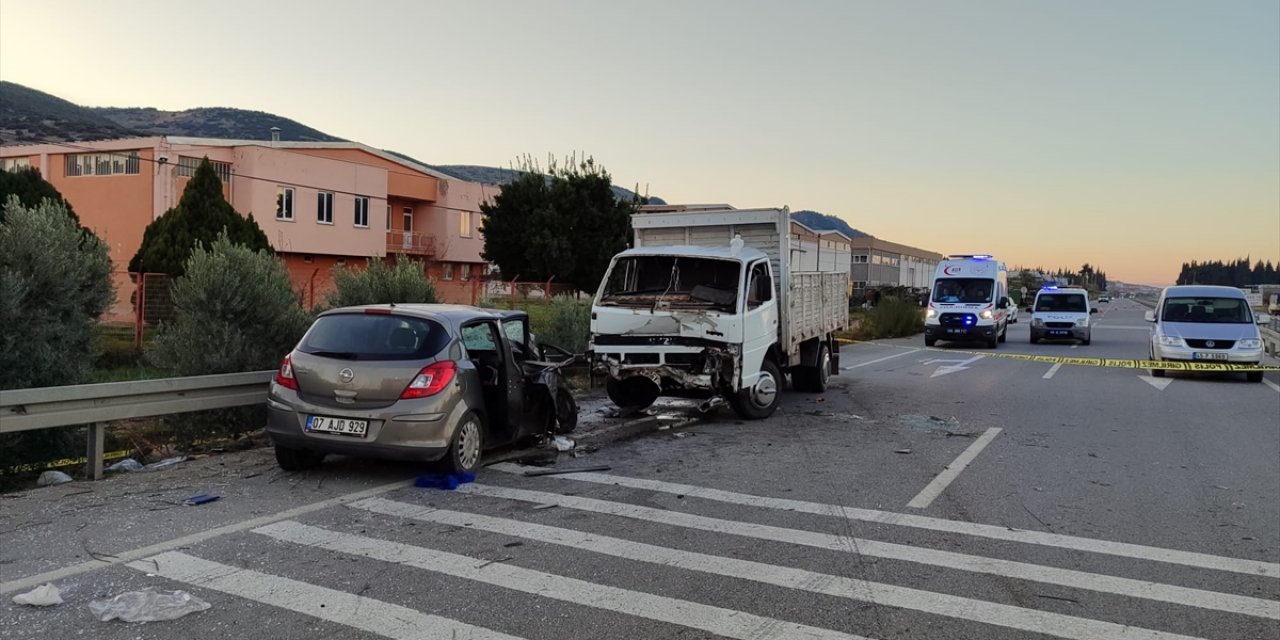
x,y
969,290
675,279
1218,310
363,336
1062,302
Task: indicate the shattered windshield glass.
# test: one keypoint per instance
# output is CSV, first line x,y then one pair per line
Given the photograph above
x,y
678,280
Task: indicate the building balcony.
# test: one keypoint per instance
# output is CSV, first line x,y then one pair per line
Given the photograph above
x,y
410,243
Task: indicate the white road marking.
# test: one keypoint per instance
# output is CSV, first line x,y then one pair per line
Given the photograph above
x,y
366,614
869,362
1052,370
1274,387
729,623
995,532
1159,383
1053,624
953,368
948,475
873,548
186,541
1075,346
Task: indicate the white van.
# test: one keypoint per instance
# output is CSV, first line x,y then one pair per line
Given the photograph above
x,y
1061,314
1200,323
969,301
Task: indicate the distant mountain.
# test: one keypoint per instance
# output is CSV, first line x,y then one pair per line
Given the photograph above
x,y
28,116
823,222
212,122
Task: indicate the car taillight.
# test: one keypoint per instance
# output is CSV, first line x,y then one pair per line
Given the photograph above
x,y
431,380
284,375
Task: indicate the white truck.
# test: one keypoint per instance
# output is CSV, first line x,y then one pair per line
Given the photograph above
x,y
717,303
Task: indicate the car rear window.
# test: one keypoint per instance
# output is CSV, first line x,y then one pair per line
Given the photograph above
x,y
360,336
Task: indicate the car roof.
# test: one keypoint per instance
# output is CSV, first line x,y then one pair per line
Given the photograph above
x,y
1063,290
453,312
1206,290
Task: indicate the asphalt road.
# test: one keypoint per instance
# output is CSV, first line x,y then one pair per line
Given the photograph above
x,y
930,493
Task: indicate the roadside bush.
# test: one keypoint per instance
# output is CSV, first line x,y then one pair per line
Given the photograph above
x,y
569,325
379,283
55,280
891,318
233,310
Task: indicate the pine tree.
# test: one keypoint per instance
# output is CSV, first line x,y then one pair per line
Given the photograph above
x,y
30,188
202,213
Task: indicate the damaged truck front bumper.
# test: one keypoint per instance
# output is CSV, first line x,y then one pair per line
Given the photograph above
x,y
672,364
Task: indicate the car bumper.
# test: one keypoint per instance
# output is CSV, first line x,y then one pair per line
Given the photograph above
x,y
1188,354
978,332
1050,333
421,437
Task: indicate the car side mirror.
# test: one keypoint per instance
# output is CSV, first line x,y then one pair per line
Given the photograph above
x,y
1263,318
1150,316
1093,310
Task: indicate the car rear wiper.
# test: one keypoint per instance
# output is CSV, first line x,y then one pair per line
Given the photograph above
x,y
340,355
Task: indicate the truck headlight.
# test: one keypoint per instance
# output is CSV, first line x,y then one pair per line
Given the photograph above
x,y
1249,343
931,313
986,314
1170,341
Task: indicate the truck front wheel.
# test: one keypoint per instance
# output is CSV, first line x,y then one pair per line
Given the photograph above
x,y
761,399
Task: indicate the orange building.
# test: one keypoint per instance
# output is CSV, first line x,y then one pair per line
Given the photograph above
x,y
321,204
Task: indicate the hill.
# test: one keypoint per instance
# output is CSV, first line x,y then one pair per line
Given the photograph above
x,y
823,222
212,122
29,116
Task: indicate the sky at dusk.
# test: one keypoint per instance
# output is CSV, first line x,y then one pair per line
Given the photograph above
x,y
1130,135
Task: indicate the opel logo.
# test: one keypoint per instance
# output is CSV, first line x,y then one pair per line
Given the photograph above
x,y
346,375
1209,343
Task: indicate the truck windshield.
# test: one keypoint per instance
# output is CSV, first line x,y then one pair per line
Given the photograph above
x,y
678,280
963,290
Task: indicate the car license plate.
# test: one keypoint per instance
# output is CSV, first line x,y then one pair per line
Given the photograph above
x,y
1208,356
956,331
341,426
1059,332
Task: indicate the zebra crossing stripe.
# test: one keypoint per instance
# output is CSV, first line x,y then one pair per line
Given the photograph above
x,y
366,614
728,623
994,532
1128,587
1031,620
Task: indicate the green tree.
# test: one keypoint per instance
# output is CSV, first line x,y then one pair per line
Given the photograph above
x,y
30,188
379,283
565,224
55,280
201,215
234,309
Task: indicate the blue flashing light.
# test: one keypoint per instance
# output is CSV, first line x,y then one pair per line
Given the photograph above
x,y
1050,287
982,256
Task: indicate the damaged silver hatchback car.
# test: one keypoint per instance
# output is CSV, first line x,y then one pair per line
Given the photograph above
x,y
425,382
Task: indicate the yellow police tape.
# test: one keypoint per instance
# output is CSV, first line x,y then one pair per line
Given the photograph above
x,y
1115,363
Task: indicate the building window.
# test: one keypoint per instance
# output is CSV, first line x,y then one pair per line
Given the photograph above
x,y
324,207
408,219
464,272
187,168
448,271
15,164
308,259
465,231
103,164
284,203
860,259
388,217
362,212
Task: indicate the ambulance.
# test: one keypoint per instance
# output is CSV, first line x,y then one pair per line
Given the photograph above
x,y
969,301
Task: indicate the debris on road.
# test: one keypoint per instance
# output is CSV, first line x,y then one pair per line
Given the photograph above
x,y
562,444
147,605
164,464
533,473
446,481
45,595
51,478
203,498
682,434
128,464
541,507
903,451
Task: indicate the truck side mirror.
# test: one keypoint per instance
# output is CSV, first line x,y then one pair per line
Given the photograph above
x,y
1003,304
1150,316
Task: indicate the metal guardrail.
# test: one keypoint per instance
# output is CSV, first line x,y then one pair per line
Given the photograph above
x,y
96,405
